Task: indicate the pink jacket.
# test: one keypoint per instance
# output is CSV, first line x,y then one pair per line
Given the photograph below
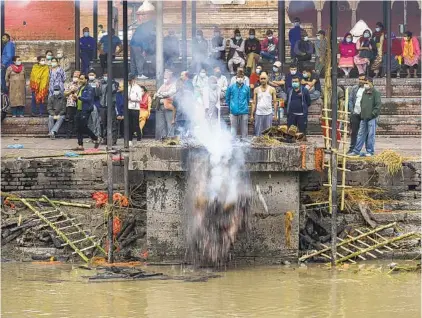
x,y
347,49
264,44
415,43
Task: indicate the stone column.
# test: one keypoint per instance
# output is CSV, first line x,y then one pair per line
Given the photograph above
x,y
353,6
319,19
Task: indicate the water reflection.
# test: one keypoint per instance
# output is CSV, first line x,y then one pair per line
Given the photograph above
x,y
30,290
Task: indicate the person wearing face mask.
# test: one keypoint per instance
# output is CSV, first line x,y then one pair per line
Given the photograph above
x,y
70,92
135,94
15,83
163,102
57,76
212,98
364,47
347,52
56,109
237,52
303,49
396,54
84,107
199,82
320,51
265,104
6,58
105,48
254,78
221,80
411,53
292,72
103,109
199,52
354,106
64,62
294,36
240,72
378,39
182,101
252,51
171,49
94,122
119,109
144,108
311,82
298,102
48,57
277,80
237,100
142,43
87,48
270,47
39,80
218,49
370,110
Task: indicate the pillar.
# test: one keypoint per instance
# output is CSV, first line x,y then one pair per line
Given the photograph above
x,y
159,70
77,34
193,22
319,20
184,37
281,32
95,26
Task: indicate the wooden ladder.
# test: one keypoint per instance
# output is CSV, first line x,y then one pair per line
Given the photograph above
x,y
366,243
66,228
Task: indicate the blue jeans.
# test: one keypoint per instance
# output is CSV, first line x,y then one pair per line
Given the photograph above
x,y
268,56
366,135
55,124
34,106
18,110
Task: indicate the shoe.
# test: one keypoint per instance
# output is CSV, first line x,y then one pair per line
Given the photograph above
x,y
349,153
78,148
21,116
142,77
367,154
52,135
353,154
130,143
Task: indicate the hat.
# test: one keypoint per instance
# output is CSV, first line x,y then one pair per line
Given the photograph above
x,y
146,7
296,19
321,32
277,64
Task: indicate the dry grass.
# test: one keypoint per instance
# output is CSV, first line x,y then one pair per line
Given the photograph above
x,y
265,140
391,159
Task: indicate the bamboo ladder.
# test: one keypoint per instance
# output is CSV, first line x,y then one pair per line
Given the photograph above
x,y
65,227
362,244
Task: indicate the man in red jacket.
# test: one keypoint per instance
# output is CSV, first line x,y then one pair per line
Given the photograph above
x,y
269,50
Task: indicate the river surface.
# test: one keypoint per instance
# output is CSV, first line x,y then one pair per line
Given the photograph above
x,y
34,290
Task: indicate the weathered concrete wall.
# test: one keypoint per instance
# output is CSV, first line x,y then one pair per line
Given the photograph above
x,y
287,157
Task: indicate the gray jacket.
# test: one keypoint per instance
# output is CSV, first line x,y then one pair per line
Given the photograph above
x,y
56,105
103,98
352,98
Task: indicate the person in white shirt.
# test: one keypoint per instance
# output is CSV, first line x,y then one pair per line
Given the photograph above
x,y
237,52
221,80
135,96
355,99
264,106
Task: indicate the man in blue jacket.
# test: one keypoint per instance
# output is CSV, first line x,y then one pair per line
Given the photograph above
x,y
294,36
84,107
237,99
298,101
6,58
87,47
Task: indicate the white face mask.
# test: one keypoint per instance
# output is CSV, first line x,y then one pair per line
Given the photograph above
x,y
75,80
238,38
258,70
166,80
297,24
293,72
366,86
318,37
202,74
42,63
275,69
270,37
305,38
56,93
239,80
252,37
54,64
91,77
59,55
348,40
18,63
377,29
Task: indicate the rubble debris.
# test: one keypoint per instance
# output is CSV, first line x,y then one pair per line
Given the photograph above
x,y
277,134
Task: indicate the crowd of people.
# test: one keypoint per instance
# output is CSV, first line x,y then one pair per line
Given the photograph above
x,y
236,78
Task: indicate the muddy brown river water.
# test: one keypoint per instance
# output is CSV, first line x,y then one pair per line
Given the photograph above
x,y
31,290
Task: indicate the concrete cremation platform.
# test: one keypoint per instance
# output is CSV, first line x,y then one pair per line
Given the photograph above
x,y
275,169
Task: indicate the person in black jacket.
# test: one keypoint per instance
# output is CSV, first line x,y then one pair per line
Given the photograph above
x,y
56,108
171,49
218,50
104,107
252,52
298,101
84,107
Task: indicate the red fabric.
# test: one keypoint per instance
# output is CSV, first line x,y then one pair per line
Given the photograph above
x,y
416,49
144,102
264,44
396,49
253,79
16,68
347,49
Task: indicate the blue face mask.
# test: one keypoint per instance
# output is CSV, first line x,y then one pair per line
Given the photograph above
x,y
295,84
305,75
252,37
86,34
105,78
